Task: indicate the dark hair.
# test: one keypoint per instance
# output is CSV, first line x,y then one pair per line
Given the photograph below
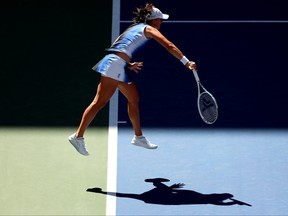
x,y
142,13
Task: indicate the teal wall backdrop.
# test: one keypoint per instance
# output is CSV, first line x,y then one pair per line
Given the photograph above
x,y
47,50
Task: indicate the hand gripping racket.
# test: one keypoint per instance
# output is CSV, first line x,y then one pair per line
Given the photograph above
x,y
207,105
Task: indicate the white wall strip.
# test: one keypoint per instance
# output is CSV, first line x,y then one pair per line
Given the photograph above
x,y
113,125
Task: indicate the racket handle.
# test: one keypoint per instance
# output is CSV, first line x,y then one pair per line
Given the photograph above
x,y
196,75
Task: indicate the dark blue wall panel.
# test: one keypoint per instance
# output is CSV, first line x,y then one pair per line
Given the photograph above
x,y
242,64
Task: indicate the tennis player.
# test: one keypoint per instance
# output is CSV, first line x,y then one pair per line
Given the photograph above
x,y
112,68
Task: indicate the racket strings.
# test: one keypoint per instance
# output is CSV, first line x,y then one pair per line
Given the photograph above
x,y
208,107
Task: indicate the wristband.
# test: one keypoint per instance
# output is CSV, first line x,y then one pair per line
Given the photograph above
x,y
184,60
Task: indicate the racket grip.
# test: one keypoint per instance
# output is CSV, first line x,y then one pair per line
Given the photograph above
x,y
196,75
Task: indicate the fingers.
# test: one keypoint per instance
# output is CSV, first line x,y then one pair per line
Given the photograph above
x,y
136,66
191,65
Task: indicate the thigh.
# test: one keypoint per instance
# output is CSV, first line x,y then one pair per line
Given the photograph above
x,y
106,89
129,90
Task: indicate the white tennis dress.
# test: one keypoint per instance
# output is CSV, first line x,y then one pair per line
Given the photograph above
x,y
128,42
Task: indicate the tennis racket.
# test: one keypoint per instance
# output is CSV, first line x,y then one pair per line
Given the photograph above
x,y
207,105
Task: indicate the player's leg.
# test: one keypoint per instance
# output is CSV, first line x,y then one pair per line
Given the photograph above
x,y
130,91
105,90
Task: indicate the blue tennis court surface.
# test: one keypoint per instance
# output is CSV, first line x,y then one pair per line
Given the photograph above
x,y
251,165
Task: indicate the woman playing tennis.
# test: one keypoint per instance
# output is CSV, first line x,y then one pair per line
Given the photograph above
x,y
112,68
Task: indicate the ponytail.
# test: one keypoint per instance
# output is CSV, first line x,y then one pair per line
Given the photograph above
x,y
142,13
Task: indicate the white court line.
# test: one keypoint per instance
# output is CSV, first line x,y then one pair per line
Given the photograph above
x,y
122,122
217,21
113,125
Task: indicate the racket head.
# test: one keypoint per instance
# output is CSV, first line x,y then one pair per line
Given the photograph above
x,y
207,107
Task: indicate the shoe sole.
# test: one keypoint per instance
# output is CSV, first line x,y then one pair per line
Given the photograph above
x,y
145,146
71,141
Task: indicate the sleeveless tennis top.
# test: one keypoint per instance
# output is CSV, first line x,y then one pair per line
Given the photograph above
x,y
130,40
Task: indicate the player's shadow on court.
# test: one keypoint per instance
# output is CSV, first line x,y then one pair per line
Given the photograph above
x,y
174,195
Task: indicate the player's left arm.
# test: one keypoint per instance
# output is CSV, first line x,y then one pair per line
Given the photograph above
x,y
135,66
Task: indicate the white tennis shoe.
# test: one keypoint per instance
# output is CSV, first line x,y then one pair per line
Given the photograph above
x,y
79,144
143,142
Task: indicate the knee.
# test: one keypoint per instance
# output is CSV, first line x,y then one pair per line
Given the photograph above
x,y
134,100
98,104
